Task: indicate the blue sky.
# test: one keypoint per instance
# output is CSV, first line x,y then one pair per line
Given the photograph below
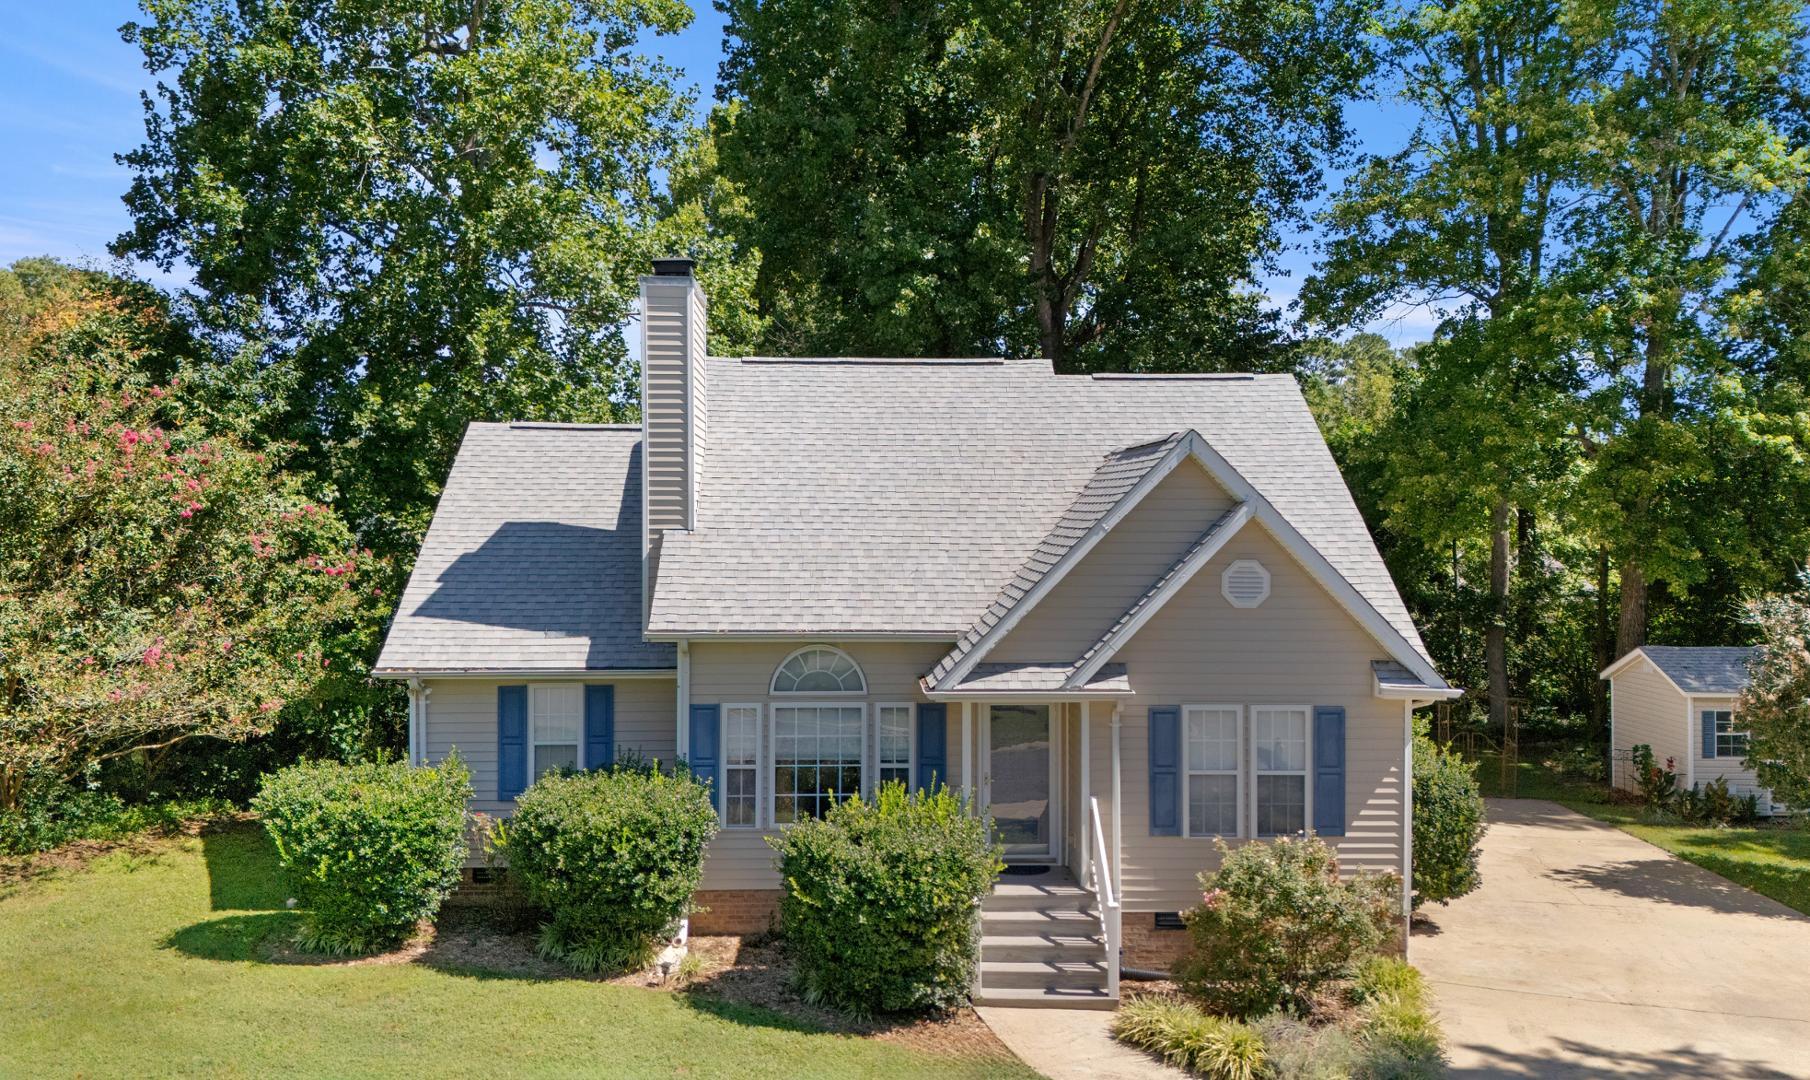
x,y
69,101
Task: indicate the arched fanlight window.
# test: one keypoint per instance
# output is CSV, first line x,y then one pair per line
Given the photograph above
x,y
818,669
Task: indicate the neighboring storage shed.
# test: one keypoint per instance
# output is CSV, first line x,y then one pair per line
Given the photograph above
x,y
1681,702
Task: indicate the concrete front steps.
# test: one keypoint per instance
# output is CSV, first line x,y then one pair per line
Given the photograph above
x,y
1041,945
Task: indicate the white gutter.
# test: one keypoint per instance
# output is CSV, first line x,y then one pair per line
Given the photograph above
x,y
414,675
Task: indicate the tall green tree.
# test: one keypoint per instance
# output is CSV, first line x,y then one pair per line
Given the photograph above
x,y
1680,147
1462,220
1094,181
403,215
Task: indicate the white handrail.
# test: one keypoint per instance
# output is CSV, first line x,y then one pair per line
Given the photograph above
x,y
1100,870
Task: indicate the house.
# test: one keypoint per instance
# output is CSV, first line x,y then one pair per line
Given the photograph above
x,y
1126,614
1681,702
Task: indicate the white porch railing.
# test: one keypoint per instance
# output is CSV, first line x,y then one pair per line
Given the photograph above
x,y
1099,874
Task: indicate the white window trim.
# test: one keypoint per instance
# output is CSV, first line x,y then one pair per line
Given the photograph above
x,y
1732,732
1238,773
871,781
803,694
772,763
1306,773
762,811
533,743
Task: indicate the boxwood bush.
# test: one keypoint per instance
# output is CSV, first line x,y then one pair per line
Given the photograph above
x,y
882,901
1448,823
612,857
371,849
1276,923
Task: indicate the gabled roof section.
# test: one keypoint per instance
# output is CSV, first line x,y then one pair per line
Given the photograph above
x,y
1145,607
1391,680
1110,492
1037,678
1708,669
533,560
1176,449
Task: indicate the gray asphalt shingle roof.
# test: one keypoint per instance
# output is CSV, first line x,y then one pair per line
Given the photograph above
x,y
533,560
1040,678
1393,676
905,496
1709,669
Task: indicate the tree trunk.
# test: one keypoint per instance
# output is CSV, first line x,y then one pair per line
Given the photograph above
x,y
1526,595
1603,645
1631,631
1495,640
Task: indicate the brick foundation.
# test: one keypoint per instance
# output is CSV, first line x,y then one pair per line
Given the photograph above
x,y
481,886
736,911
1148,947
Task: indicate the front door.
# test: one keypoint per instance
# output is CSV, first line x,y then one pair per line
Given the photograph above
x,y
1021,764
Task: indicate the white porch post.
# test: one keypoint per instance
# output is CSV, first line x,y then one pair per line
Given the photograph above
x,y
1087,790
1116,863
417,744
1407,827
968,753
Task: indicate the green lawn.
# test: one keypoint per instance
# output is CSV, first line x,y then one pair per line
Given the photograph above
x,y
1773,859
148,965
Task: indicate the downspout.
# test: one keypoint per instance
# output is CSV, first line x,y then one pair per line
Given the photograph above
x,y
1407,827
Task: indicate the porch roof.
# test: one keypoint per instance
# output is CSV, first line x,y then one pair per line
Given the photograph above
x,y
1040,679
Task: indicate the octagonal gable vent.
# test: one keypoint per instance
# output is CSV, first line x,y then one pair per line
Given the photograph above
x,y
1245,583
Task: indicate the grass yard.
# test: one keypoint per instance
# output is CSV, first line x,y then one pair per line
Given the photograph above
x,y
1771,859
155,962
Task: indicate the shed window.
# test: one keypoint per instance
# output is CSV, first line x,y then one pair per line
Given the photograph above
x,y
1729,741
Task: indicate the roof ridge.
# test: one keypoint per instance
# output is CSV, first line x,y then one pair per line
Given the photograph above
x,y
555,425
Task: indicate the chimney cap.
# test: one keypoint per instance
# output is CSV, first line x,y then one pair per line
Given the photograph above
x,y
674,267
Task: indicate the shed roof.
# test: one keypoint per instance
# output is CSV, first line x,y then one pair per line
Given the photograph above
x,y
1708,669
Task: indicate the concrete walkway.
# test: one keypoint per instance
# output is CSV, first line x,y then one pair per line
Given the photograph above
x,y
1072,1044
1588,952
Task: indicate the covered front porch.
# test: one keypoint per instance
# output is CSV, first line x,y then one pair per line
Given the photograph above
x,y
1046,770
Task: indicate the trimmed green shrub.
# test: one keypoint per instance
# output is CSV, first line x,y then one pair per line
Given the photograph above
x,y
1276,923
1448,823
1189,1039
612,857
1657,785
882,901
371,849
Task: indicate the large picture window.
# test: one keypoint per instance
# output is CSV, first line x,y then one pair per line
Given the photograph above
x,y
741,766
1213,757
817,755
555,725
1279,742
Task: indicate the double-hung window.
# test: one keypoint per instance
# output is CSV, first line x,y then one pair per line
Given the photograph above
x,y
741,766
1279,739
1730,741
892,726
1214,749
555,726
817,756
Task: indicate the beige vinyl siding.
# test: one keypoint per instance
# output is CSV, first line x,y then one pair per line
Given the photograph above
x,y
461,713
1741,780
1644,707
672,326
1120,568
1298,648
725,673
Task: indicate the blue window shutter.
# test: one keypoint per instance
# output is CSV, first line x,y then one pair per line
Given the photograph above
x,y
1329,770
706,733
511,741
933,745
599,727
1709,734
1165,770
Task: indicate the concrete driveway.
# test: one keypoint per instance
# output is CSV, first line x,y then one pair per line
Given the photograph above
x,y
1588,952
